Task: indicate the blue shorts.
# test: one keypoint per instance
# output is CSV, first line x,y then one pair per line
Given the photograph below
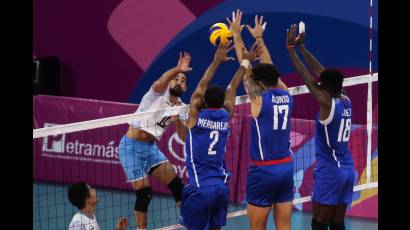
x,y
205,207
137,157
270,184
333,185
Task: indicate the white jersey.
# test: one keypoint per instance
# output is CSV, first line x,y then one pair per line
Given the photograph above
x,y
157,123
83,222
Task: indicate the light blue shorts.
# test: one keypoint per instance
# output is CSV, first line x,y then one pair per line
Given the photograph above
x,y
137,157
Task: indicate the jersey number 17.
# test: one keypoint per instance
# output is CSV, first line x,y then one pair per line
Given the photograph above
x,y
279,109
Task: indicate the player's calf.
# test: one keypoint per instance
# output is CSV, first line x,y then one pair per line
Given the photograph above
x,y
165,174
141,206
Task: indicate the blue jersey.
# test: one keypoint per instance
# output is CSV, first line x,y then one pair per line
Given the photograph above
x,y
206,147
270,131
332,135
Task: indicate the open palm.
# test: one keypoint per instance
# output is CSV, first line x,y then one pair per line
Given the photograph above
x,y
184,61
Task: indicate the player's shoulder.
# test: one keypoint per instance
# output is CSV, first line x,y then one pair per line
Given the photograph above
x,y
152,93
225,113
76,223
213,115
78,217
209,111
344,99
148,99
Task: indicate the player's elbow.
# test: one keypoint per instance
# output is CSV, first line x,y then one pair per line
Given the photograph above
x,y
229,89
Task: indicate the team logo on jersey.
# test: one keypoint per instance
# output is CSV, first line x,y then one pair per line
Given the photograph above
x,y
166,121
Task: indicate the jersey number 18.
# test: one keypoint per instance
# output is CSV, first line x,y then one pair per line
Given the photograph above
x,y
344,130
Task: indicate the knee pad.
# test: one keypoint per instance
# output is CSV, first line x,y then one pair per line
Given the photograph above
x,y
337,226
143,199
176,186
316,225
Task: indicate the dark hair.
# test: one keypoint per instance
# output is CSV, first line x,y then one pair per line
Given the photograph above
x,y
266,73
78,194
214,96
332,81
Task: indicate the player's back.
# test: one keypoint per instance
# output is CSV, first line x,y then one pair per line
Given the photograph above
x,y
270,177
270,131
206,147
332,134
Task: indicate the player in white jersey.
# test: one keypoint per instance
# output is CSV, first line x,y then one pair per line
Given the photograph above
x,y
82,196
138,153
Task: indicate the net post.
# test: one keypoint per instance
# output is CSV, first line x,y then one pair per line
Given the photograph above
x,y
369,104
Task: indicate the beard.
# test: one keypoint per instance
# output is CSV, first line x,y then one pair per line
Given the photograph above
x,y
176,91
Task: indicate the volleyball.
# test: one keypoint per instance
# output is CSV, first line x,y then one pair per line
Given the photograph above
x,y
219,33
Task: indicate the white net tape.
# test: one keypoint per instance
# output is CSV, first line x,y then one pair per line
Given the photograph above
x,y
298,90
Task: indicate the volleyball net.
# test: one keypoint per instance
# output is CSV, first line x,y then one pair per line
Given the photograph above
x,y
88,151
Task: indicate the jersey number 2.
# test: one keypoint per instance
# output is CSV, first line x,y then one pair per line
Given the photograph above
x,y
214,135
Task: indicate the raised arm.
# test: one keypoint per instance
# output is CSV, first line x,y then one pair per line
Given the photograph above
x,y
257,33
196,102
230,92
183,66
313,64
321,96
251,87
236,29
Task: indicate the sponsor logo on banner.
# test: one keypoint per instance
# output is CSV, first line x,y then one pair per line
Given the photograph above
x,y
175,147
59,146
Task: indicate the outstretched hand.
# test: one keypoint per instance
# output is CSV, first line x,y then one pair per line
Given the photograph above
x,y
253,54
222,52
292,39
257,31
300,39
183,62
235,24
